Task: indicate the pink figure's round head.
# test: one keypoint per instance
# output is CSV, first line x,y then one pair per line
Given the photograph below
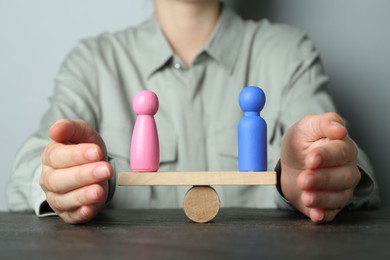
x,y
145,102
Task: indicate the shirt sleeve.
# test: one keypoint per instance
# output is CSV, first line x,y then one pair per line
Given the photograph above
x,y
366,194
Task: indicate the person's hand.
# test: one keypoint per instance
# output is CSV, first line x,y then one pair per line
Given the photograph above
x,y
75,171
319,169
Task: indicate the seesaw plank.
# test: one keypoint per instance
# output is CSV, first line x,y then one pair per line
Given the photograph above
x,y
196,178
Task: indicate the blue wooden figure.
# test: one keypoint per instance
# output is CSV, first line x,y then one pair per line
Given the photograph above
x,y
252,131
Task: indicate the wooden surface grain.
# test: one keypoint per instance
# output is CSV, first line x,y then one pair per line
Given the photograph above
x,y
236,233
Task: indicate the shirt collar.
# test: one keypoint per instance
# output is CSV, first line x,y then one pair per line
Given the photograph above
x,y
222,45
226,38
155,46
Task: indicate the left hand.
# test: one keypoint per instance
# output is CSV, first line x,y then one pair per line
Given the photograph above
x,y
319,168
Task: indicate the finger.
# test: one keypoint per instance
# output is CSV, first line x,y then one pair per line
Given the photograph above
x,y
75,131
321,216
57,155
334,179
65,180
328,125
72,200
326,199
79,215
330,154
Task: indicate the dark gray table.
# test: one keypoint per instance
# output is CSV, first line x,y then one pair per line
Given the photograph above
x,y
167,234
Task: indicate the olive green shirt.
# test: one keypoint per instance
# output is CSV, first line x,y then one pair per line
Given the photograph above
x,y
199,111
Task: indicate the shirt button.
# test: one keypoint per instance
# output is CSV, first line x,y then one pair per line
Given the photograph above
x,y
177,66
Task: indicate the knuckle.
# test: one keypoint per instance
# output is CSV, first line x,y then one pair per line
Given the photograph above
x,y
332,114
349,179
352,178
79,177
358,177
81,197
42,179
49,155
318,200
348,195
309,199
325,181
51,158
335,116
354,153
46,155
51,183
55,202
351,148
343,152
85,129
308,117
74,157
42,183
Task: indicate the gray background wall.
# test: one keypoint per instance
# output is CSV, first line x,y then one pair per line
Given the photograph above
x,y
353,37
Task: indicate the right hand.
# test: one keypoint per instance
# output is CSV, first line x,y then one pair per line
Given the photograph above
x,y
75,171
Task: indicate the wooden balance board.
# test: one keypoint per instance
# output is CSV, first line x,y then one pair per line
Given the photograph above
x,y
201,203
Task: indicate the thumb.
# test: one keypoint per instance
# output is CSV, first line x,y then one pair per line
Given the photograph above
x,y
75,132
309,132
328,125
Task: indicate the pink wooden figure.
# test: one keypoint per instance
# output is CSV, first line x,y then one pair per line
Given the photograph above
x,y
144,149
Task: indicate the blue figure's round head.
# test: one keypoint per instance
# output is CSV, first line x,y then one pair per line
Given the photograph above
x,y
252,99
